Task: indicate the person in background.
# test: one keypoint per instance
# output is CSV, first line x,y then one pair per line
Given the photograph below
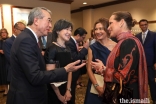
x,y
83,70
98,50
79,35
148,40
29,75
59,55
3,70
127,60
17,29
93,37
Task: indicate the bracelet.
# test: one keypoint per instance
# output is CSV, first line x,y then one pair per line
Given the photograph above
x,y
104,68
95,85
69,89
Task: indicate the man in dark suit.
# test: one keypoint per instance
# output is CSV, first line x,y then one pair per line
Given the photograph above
x,y
148,39
79,35
29,75
17,29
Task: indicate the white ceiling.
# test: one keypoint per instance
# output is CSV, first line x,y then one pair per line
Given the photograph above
x,y
79,3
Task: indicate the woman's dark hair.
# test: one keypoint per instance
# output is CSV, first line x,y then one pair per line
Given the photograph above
x,y
105,24
58,26
126,16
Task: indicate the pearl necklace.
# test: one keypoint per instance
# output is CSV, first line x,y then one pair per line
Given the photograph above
x,y
60,45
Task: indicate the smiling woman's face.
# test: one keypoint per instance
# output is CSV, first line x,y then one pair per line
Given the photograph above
x,y
65,34
100,32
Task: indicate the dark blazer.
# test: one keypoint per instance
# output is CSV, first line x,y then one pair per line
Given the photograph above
x,y
76,56
149,47
49,41
7,48
29,78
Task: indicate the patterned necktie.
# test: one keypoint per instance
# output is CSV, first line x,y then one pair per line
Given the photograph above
x,y
143,37
44,42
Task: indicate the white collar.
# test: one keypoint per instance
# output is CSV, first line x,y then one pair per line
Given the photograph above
x,y
145,32
14,35
33,33
74,39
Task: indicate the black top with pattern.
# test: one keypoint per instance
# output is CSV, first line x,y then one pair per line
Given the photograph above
x,y
56,54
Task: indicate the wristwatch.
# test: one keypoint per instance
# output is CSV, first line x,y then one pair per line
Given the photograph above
x,y
69,89
95,85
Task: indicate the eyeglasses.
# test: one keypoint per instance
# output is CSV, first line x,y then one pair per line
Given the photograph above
x,y
19,29
143,24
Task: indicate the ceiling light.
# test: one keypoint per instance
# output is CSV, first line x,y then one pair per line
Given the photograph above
x,y
84,3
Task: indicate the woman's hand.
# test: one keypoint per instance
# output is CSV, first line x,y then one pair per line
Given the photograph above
x,y
100,90
62,99
98,66
67,96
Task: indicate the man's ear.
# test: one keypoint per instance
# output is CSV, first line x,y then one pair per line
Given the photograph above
x,y
36,21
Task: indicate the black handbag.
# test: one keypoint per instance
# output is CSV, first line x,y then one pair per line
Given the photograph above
x,y
115,93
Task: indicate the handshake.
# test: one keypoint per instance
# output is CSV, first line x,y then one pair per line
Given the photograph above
x,y
74,66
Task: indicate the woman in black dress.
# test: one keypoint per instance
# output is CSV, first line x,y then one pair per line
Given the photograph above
x,y
58,55
3,70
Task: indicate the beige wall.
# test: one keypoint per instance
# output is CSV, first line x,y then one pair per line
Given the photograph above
x,y
139,9
77,20
59,10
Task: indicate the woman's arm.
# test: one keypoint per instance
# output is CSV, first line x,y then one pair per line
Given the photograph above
x,y
91,75
68,94
56,90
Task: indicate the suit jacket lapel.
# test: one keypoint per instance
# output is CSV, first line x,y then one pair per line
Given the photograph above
x,y
12,37
140,37
30,33
73,43
41,61
147,37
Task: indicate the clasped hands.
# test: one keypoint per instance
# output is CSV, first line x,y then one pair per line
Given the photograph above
x,y
98,66
65,98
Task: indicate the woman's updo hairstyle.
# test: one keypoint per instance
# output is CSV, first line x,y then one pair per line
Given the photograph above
x,y
126,16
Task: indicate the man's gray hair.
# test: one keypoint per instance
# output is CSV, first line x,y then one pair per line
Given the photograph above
x,y
36,13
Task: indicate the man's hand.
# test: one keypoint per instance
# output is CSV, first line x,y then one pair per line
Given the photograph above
x,y
86,44
72,66
1,51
